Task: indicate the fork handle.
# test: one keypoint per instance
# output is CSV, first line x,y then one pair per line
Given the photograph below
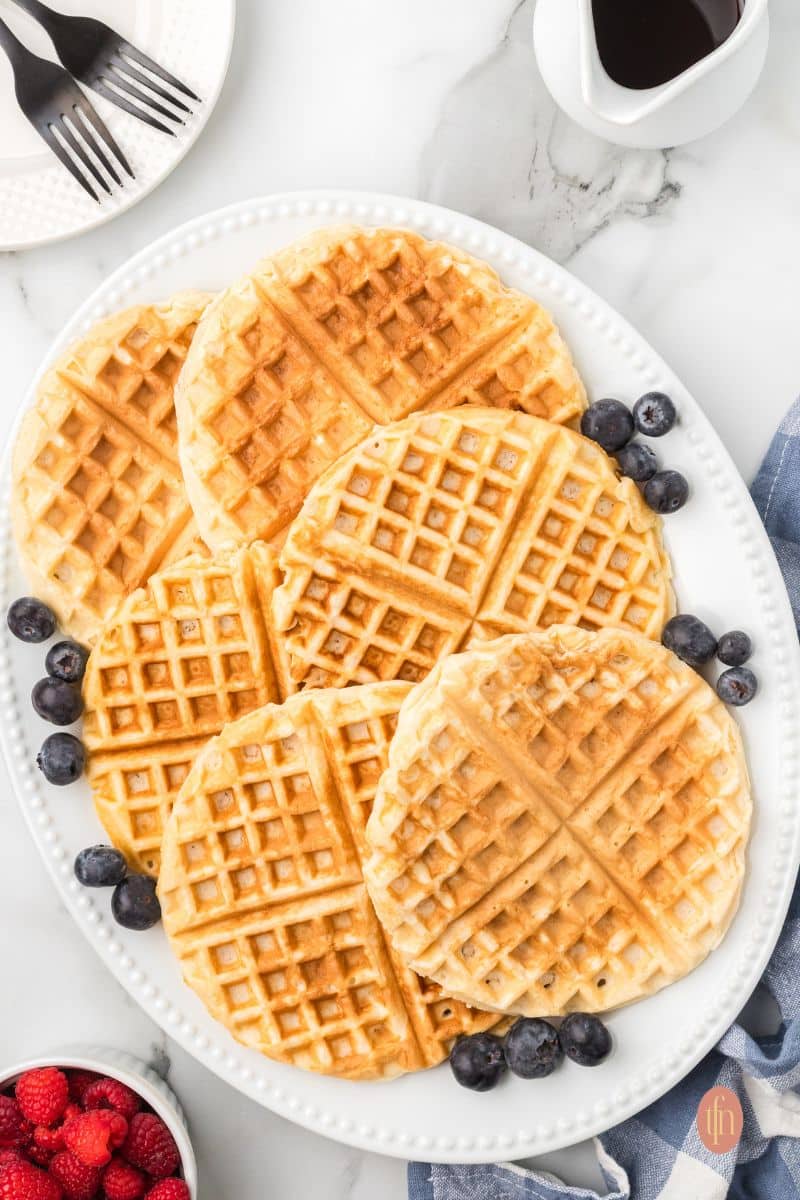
x,y
17,53
40,12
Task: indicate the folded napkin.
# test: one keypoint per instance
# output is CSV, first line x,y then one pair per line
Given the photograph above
x,y
657,1154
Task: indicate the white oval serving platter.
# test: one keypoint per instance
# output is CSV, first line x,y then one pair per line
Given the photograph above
x,y
724,571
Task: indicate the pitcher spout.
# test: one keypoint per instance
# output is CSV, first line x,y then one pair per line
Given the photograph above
x,y
628,105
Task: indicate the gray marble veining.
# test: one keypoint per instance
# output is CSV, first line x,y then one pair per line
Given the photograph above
x,y
502,150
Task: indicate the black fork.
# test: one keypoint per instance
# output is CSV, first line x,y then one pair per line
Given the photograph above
x,y
102,59
61,114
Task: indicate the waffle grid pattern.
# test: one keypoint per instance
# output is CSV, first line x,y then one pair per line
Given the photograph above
x,y
401,316
133,376
276,426
293,365
568,832
99,498
448,529
189,653
264,900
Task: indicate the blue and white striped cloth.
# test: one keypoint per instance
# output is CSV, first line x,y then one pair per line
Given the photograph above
x,y
657,1154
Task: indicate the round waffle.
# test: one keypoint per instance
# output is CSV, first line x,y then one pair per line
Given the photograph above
x,y
98,501
562,825
192,650
448,528
263,897
294,364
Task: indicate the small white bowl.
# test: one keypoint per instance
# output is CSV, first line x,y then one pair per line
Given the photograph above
x,y
129,1070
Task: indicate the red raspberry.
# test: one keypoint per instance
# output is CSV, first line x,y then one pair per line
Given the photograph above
x,y
110,1093
151,1146
10,1156
43,1095
92,1136
79,1081
38,1155
15,1130
169,1189
47,1142
21,1181
121,1181
78,1181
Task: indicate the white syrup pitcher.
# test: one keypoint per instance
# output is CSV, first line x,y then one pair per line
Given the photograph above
x,y
688,106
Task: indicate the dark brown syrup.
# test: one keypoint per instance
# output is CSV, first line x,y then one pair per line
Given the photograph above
x,y
644,43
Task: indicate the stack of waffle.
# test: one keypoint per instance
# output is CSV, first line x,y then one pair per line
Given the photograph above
x,y
525,804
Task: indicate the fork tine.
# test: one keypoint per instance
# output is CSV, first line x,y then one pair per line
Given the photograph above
x,y
79,150
93,117
60,152
83,126
116,77
102,87
143,60
123,65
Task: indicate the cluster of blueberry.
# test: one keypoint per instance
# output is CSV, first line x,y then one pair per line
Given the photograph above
x,y
134,902
62,758
692,640
612,425
57,697
532,1049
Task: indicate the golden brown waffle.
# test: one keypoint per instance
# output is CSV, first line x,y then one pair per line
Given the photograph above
x,y
98,501
563,823
348,327
449,528
263,897
180,658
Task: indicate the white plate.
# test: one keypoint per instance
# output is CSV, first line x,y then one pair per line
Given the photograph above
x,y
725,572
39,200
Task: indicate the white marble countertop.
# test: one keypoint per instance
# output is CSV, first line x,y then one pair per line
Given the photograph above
x,y
441,100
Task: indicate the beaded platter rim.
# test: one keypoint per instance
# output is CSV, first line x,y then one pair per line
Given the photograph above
x,y
393,1118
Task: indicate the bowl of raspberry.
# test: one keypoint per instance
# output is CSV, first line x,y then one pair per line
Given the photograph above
x,y
92,1124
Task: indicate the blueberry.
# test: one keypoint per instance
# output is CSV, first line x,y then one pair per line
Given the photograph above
x,y
67,661
734,648
61,758
585,1039
737,686
30,620
637,461
654,414
691,639
57,701
478,1061
135,903
532,1048
608,423
100,866
666,492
